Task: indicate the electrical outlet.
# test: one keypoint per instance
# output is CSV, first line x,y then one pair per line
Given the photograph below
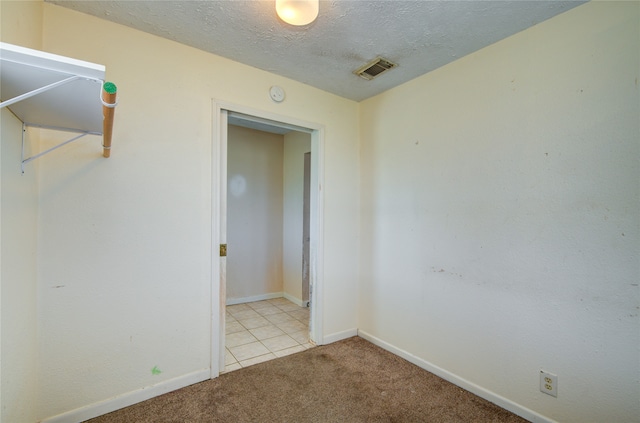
x,y
548,383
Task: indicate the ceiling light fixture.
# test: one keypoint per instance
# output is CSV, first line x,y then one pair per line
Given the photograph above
x,y
297,12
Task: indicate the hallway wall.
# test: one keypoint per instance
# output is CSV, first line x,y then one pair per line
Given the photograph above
x,y
255,162
295,145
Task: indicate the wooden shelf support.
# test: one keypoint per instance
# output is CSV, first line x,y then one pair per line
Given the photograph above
x,y
109,102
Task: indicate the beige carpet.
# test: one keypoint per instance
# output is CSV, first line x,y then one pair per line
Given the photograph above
x,y
348,381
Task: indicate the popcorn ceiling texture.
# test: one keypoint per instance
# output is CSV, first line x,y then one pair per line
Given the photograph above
x,y
418,35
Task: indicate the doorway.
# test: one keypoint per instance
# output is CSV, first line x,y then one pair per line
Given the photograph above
x,y
266,314
224,114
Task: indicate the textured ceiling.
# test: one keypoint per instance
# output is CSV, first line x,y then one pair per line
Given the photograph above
x,y
419,35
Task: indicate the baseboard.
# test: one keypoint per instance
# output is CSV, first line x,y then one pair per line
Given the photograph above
x,y
261,297
339,336
294,300
112,404
505,403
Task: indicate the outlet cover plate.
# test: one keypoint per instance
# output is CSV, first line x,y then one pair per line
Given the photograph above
x,y
549,383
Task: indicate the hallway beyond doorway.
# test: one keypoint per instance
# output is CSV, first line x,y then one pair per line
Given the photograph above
x,y
264,330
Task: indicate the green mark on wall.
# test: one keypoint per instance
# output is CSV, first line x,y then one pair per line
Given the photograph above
x,y
155,370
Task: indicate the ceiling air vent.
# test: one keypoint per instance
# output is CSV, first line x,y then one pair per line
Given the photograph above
x,y
375,68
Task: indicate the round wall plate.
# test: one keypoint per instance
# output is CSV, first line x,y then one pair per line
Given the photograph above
x,y
276,93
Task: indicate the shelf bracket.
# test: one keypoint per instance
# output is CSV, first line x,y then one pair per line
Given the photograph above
x,y
42,153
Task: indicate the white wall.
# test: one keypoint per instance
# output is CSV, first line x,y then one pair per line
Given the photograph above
x,y
295,145
500,203
495,195
21,23
264,226
129,237
19,238
255,162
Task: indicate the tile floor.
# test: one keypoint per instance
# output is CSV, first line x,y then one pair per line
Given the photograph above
x,y
264,330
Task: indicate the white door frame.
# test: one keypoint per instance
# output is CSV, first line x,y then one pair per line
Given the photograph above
x,y
218,221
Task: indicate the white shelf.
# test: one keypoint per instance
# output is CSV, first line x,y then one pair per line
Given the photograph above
x,y
56,92
73,106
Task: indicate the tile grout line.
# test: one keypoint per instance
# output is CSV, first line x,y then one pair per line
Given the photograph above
x,y
282,305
